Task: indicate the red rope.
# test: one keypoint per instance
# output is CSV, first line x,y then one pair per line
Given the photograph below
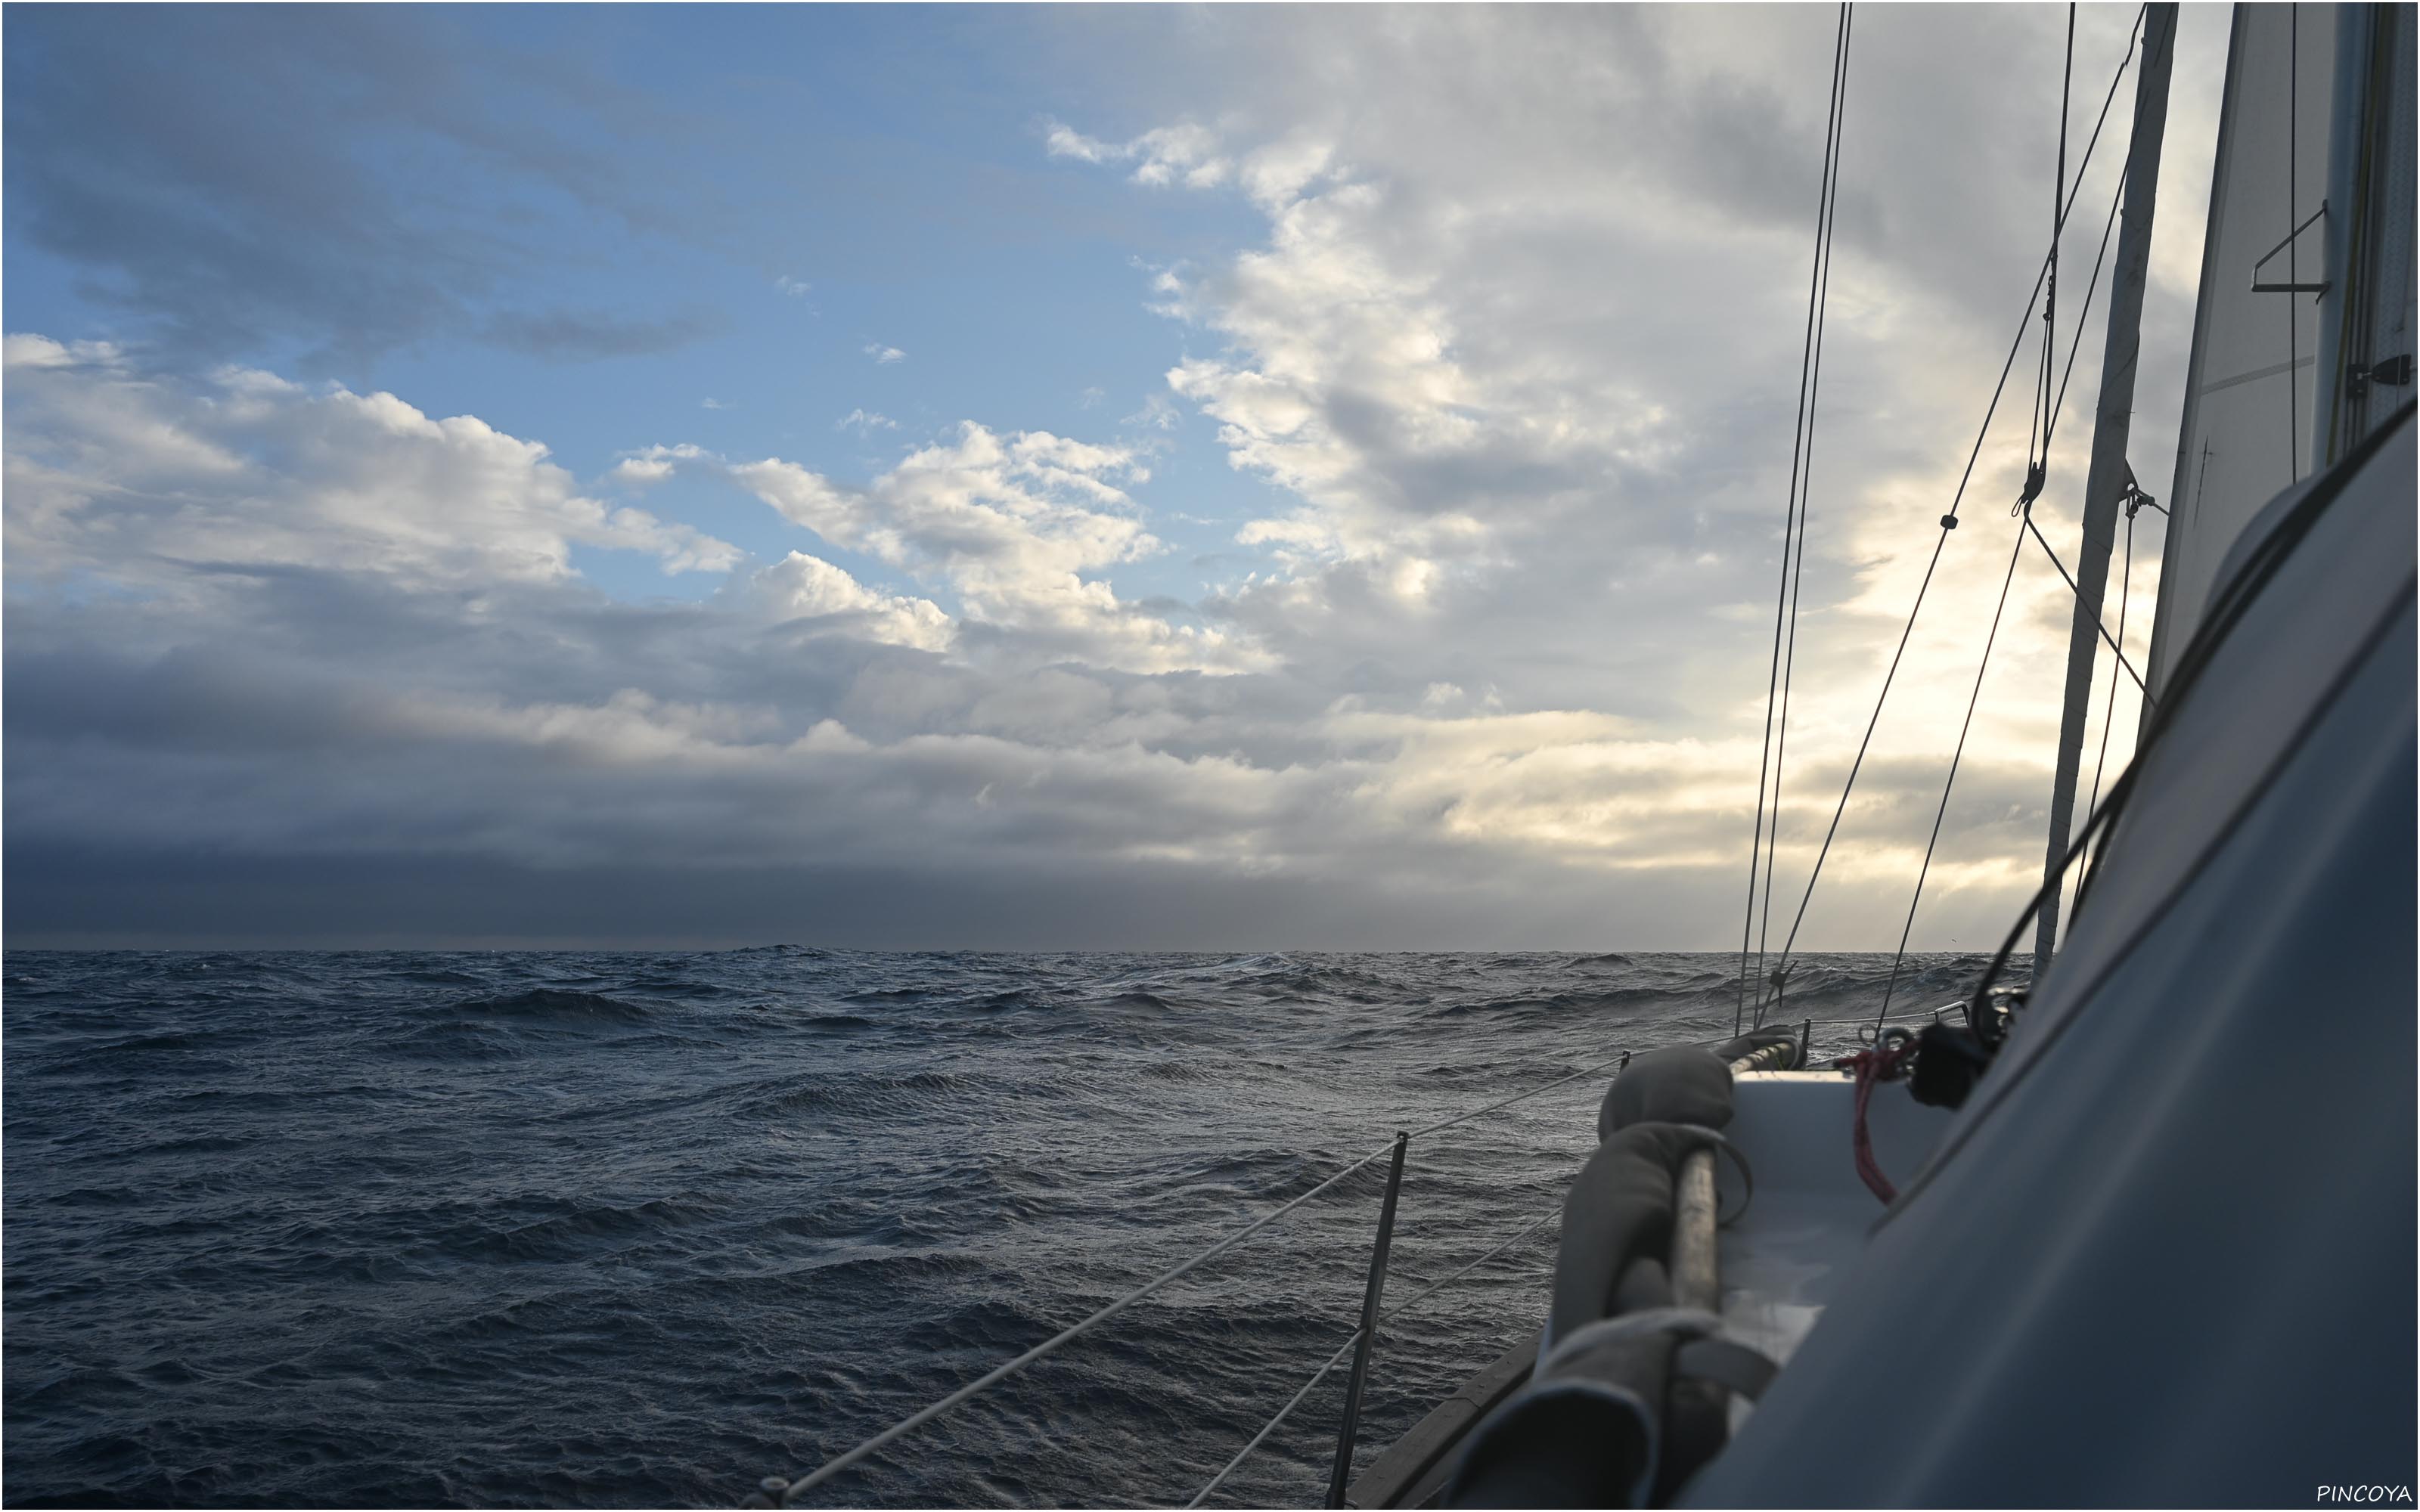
x,y
1881,1064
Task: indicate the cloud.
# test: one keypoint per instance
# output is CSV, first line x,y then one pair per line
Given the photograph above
x,y
1017,526
1157,413
800,588
1185,153
884,356
1507,361
864,422
115,470
336,627
1516,361
652,465
794,287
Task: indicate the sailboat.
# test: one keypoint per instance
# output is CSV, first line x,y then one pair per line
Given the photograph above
x,y
2147,1235
2142,1230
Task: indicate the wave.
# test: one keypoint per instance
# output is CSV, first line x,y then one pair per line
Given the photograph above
x,y
910,1093
622,1222
553,1003
573,1229
833,1023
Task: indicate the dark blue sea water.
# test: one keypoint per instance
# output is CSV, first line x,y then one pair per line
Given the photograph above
x,y
616,1229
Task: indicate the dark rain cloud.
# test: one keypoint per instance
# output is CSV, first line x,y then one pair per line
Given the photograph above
x,y
227,174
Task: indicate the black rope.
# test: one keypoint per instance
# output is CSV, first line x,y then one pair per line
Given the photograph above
x,y
2016,549
1949,520
1818,287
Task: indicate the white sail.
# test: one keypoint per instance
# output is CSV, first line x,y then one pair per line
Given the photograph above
x,y
2249,389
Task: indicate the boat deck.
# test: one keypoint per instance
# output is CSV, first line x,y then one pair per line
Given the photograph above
x,y
1782,1261
1806,1226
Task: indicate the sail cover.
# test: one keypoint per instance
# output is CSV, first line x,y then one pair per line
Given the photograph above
x,y
2166,1254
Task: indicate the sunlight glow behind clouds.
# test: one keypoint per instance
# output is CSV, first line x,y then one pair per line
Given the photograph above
x,y
1509,370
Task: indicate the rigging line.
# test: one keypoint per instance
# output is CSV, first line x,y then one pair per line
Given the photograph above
x,y
2050,422
1807,479
1939,542
2125,589
2041,424
1892,672
2116,649
2115,198
1798,426
2024,323
2224,612
2133,37
2057,408
2058,203
834,1466
2016,546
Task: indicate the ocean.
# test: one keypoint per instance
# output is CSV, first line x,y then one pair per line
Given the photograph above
x,y
516,1229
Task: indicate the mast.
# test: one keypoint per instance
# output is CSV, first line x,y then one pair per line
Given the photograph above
x,y
2113,421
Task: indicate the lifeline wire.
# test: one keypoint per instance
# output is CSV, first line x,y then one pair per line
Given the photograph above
x,y
1518,1097
1271,1425
833,1467
1320,1374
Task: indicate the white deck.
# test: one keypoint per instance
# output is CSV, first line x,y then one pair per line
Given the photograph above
x,y
1806,1228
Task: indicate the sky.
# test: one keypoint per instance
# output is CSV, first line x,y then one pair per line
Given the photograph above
x,y
1103,477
